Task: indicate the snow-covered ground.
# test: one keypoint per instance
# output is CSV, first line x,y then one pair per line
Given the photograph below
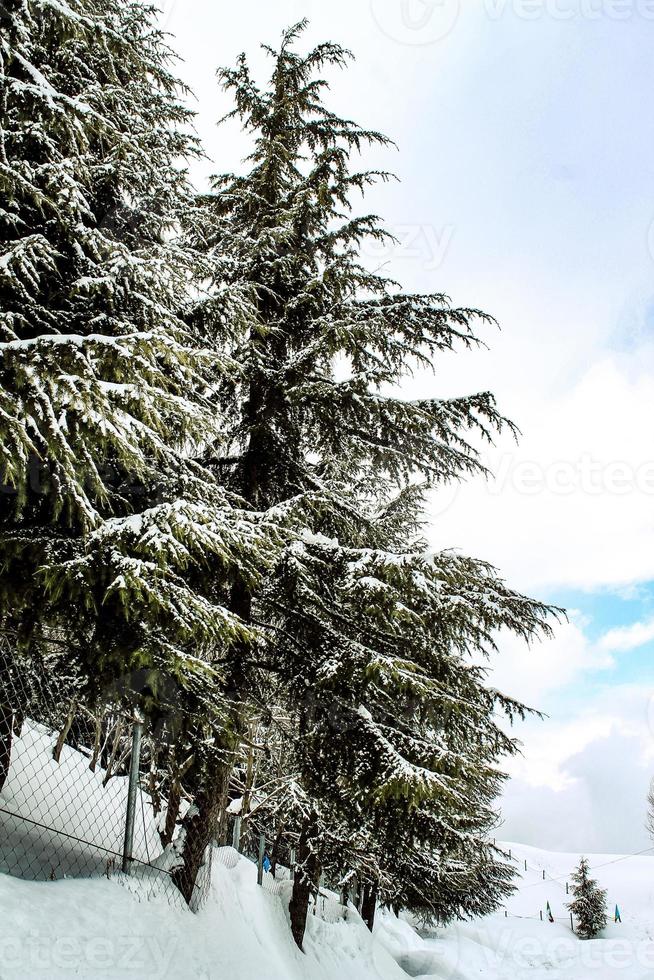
x,y
99,929
116,928
520,945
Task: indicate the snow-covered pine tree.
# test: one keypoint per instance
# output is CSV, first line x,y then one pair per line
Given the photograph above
x,y
362,621
112,535
93,357
588,905
400,737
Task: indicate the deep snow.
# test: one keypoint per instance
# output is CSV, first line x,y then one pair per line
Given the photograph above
x,y
113,928
99,929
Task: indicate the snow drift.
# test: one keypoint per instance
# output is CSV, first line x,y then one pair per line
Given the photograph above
x,y
98,929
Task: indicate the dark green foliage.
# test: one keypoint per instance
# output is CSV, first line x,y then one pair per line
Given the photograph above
x,y
373,644
112,535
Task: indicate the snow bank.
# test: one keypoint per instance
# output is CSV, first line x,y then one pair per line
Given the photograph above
x,y
97,929
518,944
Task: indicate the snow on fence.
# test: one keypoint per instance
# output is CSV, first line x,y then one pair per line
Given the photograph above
x,y
66,809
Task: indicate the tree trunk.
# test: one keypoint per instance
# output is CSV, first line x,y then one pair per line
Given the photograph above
x,y
177,773
63,734
172,812
114,752
97,743
206,818
307,875
6,735
247,789
200,826
275,856
369,905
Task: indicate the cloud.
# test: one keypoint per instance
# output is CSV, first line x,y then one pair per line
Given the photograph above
x,y
582,780
600,808
572,506
533,673
628,637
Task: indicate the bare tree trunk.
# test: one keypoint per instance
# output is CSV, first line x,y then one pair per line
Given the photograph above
x,y
153,783
369,905
274,857
172,812
174,797
97,741
305,883
6,738
247,789
114,751
63,734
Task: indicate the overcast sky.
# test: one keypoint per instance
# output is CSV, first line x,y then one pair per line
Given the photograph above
x,y
525,135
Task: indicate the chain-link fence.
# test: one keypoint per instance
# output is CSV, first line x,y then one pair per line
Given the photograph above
x,y
93,792
276,869
66,809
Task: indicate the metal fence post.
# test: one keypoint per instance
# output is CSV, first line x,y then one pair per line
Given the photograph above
x,y
262,851
134,765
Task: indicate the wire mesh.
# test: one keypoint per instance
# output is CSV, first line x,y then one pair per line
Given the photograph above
x,y
326,904
64,787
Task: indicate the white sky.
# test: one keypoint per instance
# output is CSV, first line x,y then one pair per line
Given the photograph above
x,y
526,157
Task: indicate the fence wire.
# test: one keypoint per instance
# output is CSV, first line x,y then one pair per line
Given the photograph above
x,y
64,786
326,904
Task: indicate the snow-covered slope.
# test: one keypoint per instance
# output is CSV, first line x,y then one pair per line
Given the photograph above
x,y
100,929
519,944
104,929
